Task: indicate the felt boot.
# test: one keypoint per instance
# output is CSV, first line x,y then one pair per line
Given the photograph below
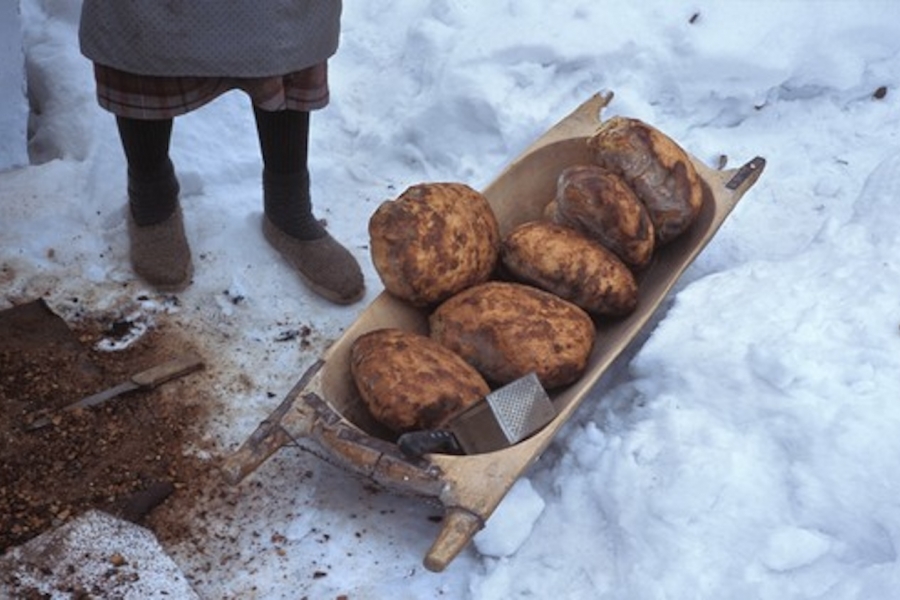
x,y
159,249
324,265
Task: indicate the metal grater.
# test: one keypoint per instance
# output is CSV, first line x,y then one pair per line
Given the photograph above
x,y
506,416
522,408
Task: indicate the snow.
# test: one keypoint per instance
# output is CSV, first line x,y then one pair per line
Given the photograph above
x,y
97,547
14,119
746,448
511,524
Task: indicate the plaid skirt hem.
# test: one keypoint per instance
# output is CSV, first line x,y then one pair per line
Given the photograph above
x,y
151,97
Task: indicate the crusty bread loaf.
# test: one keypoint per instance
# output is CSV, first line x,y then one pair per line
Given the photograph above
x,y
508,330
565,262
603,206
408,381
657,169
434,240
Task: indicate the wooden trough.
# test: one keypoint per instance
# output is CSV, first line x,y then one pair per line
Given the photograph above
x,y
324,413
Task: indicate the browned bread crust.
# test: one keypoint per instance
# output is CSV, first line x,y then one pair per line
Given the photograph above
x,y
408,381
508,330
565,262
434,240
600,204
657,169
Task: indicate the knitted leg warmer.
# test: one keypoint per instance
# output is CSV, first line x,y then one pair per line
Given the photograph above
x,y
159,249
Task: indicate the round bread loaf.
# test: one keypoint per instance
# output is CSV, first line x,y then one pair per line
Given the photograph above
x,y
565,262
601,205
657,169
434,240
508,330
409,381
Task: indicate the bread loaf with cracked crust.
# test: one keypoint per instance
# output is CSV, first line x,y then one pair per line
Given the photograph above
x,y
434,240
507,330
600,204
409,381
657,169
567,263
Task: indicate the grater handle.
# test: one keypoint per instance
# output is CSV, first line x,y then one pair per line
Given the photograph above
x,y
417,443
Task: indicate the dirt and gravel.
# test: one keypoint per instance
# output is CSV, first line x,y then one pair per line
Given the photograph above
x,y
125,457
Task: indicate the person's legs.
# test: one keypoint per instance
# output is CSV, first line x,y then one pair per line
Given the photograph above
x,y
289,224
159,248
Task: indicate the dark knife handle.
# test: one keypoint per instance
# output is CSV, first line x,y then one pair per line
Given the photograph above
x,y
416,443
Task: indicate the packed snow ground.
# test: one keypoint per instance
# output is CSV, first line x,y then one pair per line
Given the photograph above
x,y
748,448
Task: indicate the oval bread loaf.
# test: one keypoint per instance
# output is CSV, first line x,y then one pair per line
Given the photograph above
x,y
408,381
600,204
508,330
434,240
565,262
657,169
